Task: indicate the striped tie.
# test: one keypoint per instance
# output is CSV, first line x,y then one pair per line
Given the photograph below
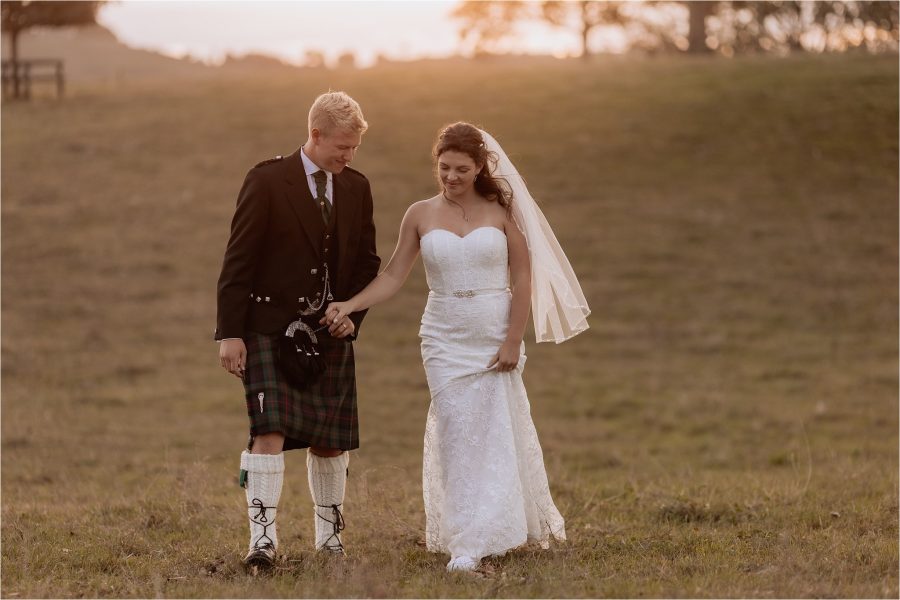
x,y
321,181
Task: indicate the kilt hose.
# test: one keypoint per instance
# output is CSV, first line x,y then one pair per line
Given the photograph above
x,y
324,414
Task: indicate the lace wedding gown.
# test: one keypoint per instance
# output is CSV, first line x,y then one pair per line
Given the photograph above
x,y
484,481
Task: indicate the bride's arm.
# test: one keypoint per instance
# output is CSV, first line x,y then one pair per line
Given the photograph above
x,y
520,282
391,279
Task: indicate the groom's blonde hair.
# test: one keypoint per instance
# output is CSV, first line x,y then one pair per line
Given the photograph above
x,y
336,110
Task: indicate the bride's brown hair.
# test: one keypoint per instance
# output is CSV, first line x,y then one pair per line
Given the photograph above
x,y
465,138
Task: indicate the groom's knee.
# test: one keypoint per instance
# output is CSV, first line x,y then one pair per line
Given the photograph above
x,y
326,452
267,443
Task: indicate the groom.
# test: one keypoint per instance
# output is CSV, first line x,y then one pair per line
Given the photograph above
x,y
302,235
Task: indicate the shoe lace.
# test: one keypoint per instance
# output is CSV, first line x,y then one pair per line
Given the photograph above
x,y
337,526
263,521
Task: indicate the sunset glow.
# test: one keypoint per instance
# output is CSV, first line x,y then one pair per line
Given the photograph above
x,y
400,30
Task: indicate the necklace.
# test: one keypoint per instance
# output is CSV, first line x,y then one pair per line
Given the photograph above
x,y
465,216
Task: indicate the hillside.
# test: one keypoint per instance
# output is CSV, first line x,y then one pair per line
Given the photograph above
x,y
94,56
726,428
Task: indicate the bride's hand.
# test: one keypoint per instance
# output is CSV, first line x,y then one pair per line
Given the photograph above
x,y
335,312
506,358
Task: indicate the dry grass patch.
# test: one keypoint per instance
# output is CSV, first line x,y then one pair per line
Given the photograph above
x,y
727,428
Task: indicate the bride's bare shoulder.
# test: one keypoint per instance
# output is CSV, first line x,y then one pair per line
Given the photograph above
x,y
422,207
419,211
429,202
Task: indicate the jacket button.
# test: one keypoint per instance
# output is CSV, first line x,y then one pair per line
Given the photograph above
x,y
267,298
313,271
258,298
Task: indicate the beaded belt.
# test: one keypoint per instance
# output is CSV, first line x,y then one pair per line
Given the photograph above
x,y
469,293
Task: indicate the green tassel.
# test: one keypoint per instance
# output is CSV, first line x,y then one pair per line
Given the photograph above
x,y
242,478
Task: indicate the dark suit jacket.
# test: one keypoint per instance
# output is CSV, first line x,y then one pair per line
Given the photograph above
x,y
275,254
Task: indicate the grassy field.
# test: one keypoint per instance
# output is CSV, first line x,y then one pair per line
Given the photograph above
x,y
727,428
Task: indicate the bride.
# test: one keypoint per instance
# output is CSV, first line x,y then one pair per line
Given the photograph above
x,y
489,256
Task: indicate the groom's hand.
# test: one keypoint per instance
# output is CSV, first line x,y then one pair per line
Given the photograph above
x,y
338,327
342,328
233,356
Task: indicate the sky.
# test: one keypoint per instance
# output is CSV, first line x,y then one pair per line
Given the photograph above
x,y
208,30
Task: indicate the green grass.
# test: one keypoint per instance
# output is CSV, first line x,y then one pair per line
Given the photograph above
x,y
728,427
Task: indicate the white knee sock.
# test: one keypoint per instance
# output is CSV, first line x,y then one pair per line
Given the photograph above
x,y
265,476
327,481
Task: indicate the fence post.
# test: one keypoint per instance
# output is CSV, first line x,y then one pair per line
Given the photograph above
x,y
60,82
16,80
26,93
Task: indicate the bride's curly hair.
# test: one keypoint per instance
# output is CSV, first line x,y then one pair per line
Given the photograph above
x,y
466,138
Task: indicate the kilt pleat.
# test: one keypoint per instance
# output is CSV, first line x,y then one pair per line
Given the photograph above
x,y
323,414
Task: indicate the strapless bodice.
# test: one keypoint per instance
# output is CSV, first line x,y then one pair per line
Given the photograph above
x,y
456,265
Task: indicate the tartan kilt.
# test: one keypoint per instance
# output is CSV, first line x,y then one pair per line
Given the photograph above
x,y
323,414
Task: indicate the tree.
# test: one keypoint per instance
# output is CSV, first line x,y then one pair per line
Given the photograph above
x,y
747,26
732,27
346,60
314,59
777,26
663,26
697,13
650,25
724,26
584,16
18,16
883,19
689,13
486,23
845,25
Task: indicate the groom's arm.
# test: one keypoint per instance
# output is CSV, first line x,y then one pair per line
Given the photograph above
x,y
248,228
367,260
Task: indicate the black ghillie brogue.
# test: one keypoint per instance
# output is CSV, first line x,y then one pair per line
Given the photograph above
x,y
260,558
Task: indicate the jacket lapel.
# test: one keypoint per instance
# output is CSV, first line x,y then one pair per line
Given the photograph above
x,y
302,202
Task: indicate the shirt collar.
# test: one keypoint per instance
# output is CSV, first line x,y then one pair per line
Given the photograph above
x,y
309,166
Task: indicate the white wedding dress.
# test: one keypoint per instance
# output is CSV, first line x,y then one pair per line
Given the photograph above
x,y
484,481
